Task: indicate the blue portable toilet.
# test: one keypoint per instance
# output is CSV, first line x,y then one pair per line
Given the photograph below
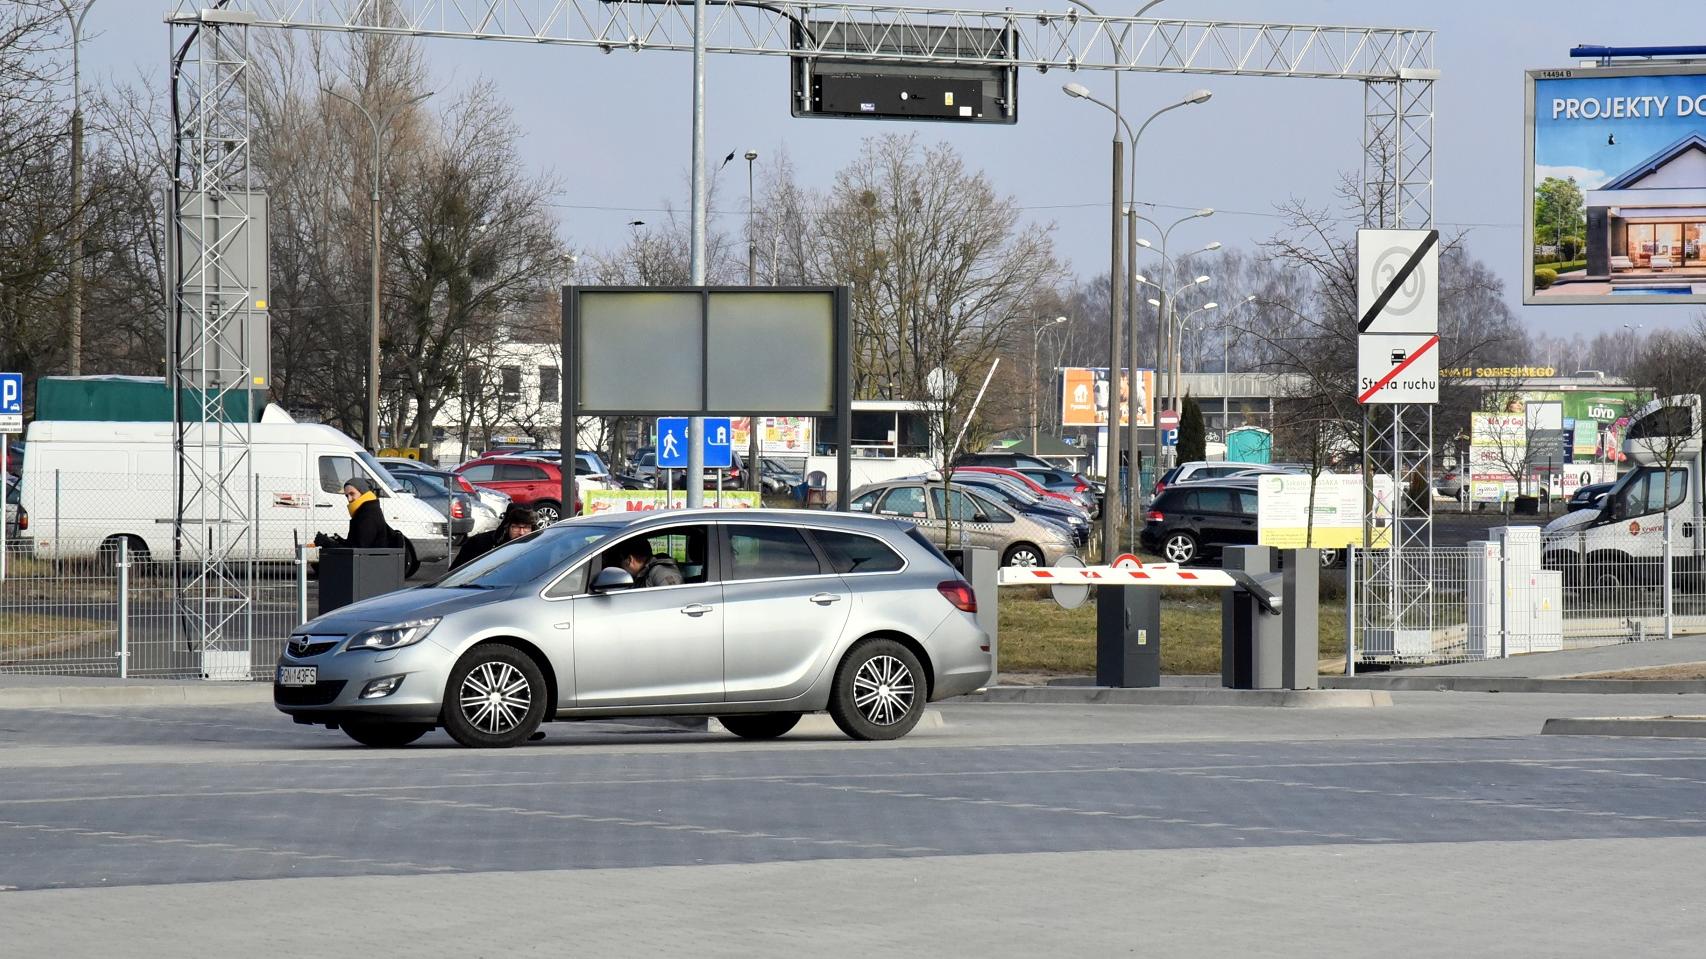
x,y
1249,444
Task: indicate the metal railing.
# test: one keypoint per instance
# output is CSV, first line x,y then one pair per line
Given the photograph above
x,y
1502,598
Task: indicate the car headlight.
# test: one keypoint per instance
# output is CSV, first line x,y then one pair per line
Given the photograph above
x,y
394,636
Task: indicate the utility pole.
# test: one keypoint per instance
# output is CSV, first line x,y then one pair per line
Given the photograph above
x,y
696,245
754,465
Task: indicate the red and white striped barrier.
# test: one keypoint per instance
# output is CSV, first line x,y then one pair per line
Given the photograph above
x,y
1159,574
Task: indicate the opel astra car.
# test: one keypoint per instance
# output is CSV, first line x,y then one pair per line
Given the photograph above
x,y
778,613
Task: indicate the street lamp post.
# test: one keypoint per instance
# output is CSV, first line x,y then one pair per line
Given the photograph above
x,y
76,276
1116,288
1036,382
1226,366
378,127
1163,333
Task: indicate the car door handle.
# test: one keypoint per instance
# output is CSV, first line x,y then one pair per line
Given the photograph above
x,y
560,625
695,609
824,599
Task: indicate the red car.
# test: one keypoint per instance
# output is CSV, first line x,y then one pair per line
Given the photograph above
x,y
535,484
1022,479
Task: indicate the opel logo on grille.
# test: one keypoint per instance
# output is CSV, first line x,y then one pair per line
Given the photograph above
x,y
299,645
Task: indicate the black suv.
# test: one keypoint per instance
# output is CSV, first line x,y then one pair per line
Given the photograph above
x,y
1193,521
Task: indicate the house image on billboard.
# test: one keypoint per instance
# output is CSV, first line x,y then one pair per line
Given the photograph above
x,y
1649,221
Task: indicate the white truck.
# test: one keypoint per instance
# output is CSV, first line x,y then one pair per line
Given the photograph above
x,y
88,484
1622,542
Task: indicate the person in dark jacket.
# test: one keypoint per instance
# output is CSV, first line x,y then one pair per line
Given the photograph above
x,y
367,526
518,521
636,557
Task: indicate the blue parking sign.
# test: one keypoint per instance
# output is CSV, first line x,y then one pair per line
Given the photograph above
x,y
672,442
11,402
1170,437
718,443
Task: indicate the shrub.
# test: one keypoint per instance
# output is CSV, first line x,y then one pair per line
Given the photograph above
x,y
1544,278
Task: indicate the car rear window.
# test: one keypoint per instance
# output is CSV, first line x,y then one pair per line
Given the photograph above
x,y
766,552
924,541
852,553
479,474
1215,501
1171,499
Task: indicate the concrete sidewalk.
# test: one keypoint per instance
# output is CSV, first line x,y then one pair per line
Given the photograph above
x,y
1578,662
29,691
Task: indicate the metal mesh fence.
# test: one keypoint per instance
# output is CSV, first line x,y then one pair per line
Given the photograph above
x,y
1513,595
98,584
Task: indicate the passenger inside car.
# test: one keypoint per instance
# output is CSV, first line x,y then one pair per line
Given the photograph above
x,y
683,546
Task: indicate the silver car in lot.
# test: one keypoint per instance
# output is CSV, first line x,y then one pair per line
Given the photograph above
x,y
781,612
965,517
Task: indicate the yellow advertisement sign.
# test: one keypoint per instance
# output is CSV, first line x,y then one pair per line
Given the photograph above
x,y
596,501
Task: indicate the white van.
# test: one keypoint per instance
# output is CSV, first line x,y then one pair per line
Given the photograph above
x,y
89,484
1622,541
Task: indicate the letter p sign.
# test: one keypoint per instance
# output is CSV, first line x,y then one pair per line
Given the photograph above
x,y
11,402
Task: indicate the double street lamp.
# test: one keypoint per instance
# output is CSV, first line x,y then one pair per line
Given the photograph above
x,y
1036,381
378,126
1116,358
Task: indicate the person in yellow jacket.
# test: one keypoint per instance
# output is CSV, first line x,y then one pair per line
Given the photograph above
x,y
367,526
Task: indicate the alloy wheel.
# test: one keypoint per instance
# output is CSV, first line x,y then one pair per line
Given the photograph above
x,y
883,690
1180,549
495,697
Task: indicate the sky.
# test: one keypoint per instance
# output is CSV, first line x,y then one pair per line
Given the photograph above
x,y
616,127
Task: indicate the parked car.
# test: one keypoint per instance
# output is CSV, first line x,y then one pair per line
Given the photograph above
x,y
733,478
1202,469
1590,496
1003,459
1019,540
1028,483
456,506
781,613
643,465
1450,485
1009,493
491,500
16,519
535,484
1189,522
1061,481
776,478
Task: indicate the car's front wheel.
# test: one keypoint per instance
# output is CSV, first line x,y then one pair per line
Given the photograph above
x,y
547,512
1179,548
761,726
1023,554
386,735
495,698
879,692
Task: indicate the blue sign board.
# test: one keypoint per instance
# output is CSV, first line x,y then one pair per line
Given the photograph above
x,y
672,442
717,443
12,402
1170,437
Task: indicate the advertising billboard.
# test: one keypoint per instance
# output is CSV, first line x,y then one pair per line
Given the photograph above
x,y
1615,177
1084,397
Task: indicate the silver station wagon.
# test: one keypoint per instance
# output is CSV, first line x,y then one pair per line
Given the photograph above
x,y
752,616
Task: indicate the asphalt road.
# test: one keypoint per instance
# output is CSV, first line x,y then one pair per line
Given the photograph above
x,y
161,831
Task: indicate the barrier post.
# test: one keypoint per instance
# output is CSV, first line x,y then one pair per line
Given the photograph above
x,y
1128,636
1300,615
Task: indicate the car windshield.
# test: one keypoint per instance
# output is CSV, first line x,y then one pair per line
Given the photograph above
x,y
527,559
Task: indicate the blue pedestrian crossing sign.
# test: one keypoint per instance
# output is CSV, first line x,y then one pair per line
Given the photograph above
x,y
12,403
672,442
718,443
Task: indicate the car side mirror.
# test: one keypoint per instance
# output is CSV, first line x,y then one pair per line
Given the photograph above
x,y
612,578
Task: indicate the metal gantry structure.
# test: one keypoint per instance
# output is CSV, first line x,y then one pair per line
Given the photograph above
x,y
1395,65
214,253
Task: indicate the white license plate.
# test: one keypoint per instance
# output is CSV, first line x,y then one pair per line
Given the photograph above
x,y
298,675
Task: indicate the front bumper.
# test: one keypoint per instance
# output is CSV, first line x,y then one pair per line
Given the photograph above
x,y
425,668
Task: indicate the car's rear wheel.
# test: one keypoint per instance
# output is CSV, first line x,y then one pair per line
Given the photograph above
x,y
879,691
548,511
1023,554
495,698
1330,558
1179,548
386,735
761,726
